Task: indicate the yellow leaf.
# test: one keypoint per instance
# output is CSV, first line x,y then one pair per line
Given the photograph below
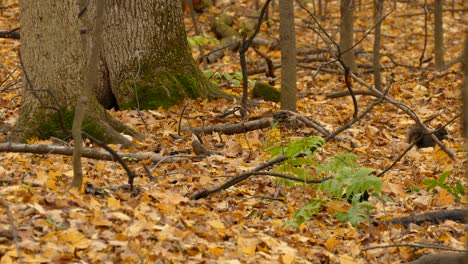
x,y
113,203
100,220
287,259
440,156
75,238
100,166
121,216
346,259
169,197
443,198
6,260
337,206
216,251
247,245
331,243
216,224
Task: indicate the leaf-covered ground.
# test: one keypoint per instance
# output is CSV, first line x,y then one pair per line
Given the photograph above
x,y
243,224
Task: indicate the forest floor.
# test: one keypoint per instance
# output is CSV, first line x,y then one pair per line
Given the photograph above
x,y
247,223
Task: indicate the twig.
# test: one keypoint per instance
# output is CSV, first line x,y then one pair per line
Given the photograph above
x,y
245,44
180,119
198,32
397,159
234,180
12,34
270,68
78,141
115,155
370,107
288,177
426,11
14,234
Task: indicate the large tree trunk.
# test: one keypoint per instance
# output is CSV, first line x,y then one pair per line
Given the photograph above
x,y
53,71
146,60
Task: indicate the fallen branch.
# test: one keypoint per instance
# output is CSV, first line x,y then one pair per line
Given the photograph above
x,y
234,180
267,122
231,129
346,93
12,34
442,258
417,245
87,152
457,215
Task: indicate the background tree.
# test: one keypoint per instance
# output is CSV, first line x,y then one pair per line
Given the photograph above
x,y
378,12
288,55
347,33
438,36
146,60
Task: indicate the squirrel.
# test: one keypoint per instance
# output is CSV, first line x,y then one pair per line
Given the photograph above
x,y
424,140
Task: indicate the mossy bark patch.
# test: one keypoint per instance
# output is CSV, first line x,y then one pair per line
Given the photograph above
x,y
167,88
53,127
266,92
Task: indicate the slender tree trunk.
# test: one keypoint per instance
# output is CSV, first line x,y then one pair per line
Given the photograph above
x,y
378,9
53,75
288,55
320,8
438,35
347,33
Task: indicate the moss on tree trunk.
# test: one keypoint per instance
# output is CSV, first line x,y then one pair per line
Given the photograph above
x,y
166,87
44,123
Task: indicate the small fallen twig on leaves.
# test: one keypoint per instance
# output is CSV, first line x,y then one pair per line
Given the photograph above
x,y
206,192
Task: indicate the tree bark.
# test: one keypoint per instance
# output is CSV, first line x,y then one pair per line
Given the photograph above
x,y
438,36
53,75
347,34
288,55
378,9
146,60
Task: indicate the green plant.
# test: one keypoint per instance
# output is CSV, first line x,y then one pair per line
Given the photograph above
x,y
306,212
299,153
234,79
347,180
456,189
202,40
357,214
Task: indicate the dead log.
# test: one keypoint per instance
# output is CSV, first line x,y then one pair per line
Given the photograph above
x,y
457,215
87,152
460,258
